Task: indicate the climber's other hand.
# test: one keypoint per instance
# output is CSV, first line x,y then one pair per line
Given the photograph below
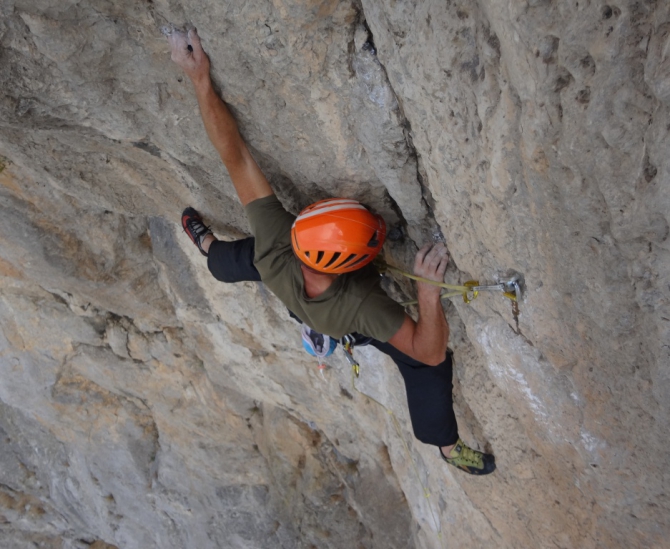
x,y
187,52
431,263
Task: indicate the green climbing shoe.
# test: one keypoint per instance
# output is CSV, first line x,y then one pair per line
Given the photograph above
x,y
469,460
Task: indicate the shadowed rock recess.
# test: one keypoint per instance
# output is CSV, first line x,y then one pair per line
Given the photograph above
x,y
144,405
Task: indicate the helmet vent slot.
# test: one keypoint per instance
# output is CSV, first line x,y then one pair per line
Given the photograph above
x,y
351,257
307,254
374,241
359,260
333,259
319,257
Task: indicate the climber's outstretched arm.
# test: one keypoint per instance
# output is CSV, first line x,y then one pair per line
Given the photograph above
x,y
427,339
249,181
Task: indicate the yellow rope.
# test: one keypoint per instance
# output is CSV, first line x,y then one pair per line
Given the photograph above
x,y
454,287
468,291
442,296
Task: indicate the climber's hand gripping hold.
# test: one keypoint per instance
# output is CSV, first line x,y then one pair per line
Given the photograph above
x,y
187,52
431,262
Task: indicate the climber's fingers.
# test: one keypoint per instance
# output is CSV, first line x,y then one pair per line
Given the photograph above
x,y
194,42
187,52
421,255
442,266
436,256
429,256
178,45
431,262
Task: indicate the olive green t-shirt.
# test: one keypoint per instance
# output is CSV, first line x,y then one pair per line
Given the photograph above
x,y
355,302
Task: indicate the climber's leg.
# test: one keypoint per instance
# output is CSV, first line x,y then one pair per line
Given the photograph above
x,y
227,261
429,396
233,261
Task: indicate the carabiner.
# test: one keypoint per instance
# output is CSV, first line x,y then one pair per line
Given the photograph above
x,y
348,347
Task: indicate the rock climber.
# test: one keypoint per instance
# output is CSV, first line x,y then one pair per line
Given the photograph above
x,y
319,266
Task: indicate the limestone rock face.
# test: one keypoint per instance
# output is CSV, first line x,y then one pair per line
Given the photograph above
x,y
143,404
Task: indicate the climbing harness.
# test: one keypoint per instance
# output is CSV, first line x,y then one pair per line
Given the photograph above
x,y
322,346
318,345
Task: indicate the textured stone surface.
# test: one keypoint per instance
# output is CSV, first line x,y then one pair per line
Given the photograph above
x,y
142,404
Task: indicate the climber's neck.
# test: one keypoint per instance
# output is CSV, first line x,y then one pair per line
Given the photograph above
x,y
315,282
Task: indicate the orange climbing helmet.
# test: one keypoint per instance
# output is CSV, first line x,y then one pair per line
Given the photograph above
x,y
337,235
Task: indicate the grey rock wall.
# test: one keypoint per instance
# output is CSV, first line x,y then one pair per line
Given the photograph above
x,y
142,404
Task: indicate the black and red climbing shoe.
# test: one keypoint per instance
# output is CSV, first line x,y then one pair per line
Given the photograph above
x,y
469,460
195,227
